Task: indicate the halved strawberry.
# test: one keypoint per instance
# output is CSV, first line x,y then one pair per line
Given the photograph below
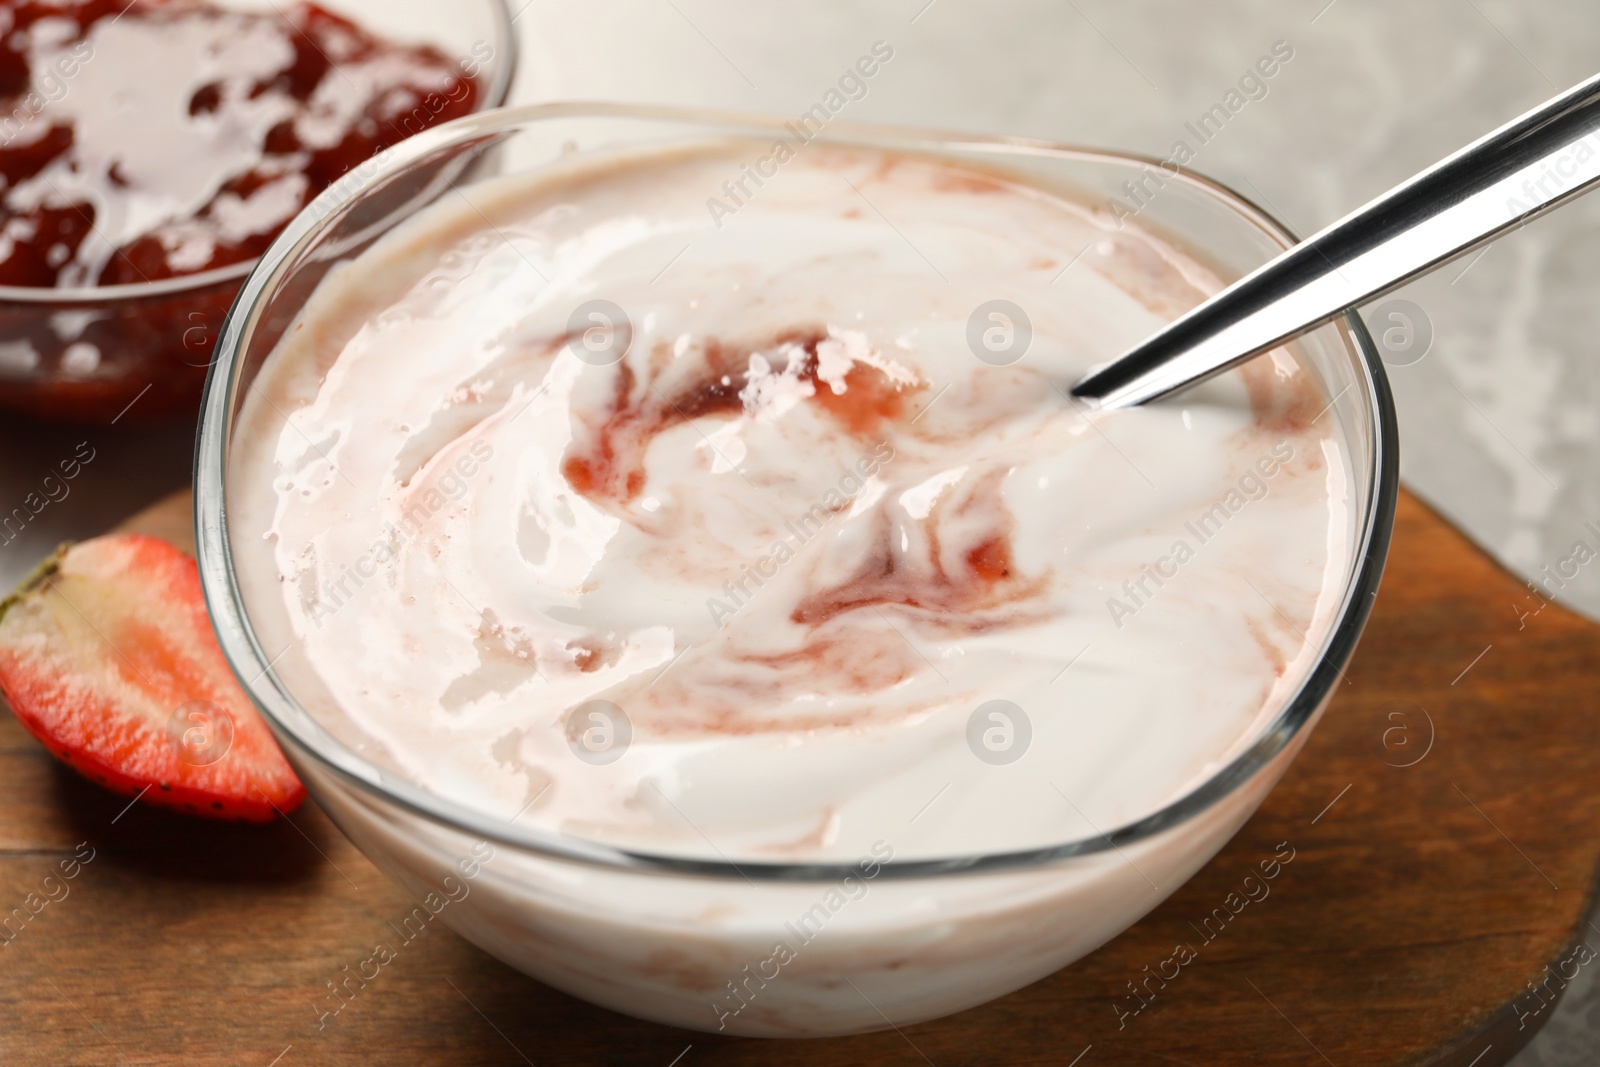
x,y
107,656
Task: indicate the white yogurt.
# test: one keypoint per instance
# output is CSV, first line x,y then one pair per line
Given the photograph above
x,y
800,534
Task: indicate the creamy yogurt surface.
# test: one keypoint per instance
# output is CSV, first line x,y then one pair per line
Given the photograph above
x,y
772,533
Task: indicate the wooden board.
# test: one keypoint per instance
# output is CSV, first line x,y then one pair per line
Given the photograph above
x,y
1422,903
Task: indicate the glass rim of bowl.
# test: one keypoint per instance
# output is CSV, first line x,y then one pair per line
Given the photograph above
x,y
494,96
253,667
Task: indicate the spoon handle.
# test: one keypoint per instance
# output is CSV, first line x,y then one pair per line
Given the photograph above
x,y
1521,170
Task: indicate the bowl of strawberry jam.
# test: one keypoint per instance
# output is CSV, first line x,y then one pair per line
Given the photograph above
x,y
151,150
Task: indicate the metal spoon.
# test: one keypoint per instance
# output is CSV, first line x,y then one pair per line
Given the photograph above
x,y
1521,170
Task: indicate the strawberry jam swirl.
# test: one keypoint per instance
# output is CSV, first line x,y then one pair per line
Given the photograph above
x,y
791,525
915,537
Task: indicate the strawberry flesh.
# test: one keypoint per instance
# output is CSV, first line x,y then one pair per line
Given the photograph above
x,y
108,657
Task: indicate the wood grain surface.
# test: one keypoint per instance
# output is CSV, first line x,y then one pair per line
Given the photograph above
x,y
1427,915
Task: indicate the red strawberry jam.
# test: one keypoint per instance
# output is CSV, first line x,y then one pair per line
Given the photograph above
x,y
151,139
147,140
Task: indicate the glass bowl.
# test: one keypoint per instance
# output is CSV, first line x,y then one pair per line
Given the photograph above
x,y
99,353
760,948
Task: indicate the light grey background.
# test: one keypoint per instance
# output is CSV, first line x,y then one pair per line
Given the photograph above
x,y
1500,421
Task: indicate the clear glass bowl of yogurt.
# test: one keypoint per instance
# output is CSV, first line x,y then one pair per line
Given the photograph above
x,y
663,543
